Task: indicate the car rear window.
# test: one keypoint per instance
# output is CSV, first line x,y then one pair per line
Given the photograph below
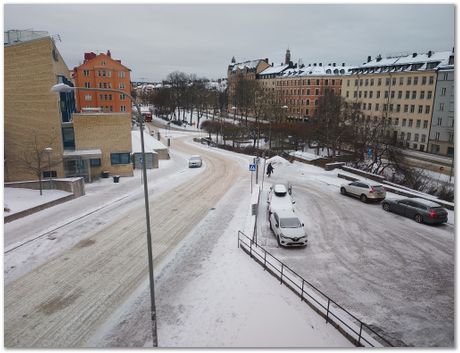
x,y
290,222
379,188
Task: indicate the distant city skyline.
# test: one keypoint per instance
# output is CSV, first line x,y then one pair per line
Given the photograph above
x,y
156,39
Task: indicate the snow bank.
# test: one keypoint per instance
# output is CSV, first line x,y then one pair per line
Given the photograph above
x,y
278,160
17,199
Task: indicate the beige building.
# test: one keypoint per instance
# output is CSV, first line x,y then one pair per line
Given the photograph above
x,y
41,123
398,91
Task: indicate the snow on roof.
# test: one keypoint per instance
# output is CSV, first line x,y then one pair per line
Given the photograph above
x,y
274,70
150,143
442,58
251,64
318,71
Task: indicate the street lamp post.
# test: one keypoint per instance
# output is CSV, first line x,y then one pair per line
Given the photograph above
x,y
234,114
48,151
61,87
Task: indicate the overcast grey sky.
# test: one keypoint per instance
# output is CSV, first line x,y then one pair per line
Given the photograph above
x,y
156,39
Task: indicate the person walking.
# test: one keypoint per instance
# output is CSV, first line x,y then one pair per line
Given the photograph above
x,y
270,169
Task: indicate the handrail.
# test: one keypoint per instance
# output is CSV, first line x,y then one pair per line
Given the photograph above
x,y
356,326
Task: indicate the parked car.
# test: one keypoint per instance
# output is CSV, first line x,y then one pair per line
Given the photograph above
x,y
288,228
420,210
279,198
195,161
364,190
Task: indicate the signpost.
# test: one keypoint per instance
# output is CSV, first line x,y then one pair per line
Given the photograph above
x,y
252,168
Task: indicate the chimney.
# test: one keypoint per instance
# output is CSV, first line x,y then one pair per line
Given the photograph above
x,y
414,55
320,64
430,53
109,54
369,58
89,56
333,64
329,64
343,64
266,60
314,64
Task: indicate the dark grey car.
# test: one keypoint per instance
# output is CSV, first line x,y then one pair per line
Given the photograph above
x,y
420,210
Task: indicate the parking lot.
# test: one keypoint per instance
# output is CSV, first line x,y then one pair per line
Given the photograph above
x,y
391,272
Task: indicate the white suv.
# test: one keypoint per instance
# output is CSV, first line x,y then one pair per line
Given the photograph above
x,y
288,228
364,190
195,161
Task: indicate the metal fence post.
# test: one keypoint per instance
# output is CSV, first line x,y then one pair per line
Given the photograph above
x,y
265,260
360,330
327,314
301,293
281,277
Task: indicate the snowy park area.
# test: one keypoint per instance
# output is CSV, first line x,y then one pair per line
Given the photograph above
x,y
19,199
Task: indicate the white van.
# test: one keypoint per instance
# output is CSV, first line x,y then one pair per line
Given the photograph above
x,y
279,198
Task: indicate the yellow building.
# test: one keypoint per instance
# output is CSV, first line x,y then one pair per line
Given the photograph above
x,y
399,92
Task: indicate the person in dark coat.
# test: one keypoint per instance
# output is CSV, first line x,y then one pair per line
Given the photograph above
x,y
270,169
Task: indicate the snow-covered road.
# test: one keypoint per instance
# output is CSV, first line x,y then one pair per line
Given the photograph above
x,y
75,291
391,272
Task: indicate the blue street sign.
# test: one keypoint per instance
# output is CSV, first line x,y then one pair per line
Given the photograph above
x,y
369,152
252,167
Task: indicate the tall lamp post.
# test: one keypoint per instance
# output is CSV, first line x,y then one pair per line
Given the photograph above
x,y
62,87
48,151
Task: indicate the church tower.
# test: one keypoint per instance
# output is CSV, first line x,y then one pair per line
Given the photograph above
x,y
287,59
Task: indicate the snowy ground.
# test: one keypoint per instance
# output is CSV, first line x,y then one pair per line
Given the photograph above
x,y
210,294
389,271
18,199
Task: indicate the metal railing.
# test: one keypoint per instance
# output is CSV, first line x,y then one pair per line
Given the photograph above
x,y
349,325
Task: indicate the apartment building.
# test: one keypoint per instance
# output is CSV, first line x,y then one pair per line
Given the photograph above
x,y
441,139
38,120
101,71
247,70
398,91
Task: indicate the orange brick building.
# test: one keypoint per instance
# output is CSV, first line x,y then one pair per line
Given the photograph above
x,y
101,71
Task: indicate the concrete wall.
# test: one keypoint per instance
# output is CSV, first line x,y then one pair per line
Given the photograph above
x,y
74,185
109,132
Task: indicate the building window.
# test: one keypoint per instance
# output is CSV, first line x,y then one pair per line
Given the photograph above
x,y
451,137
49,174
410,123
423,138
436,136
120,158
387,81
393,81
407,94
415,137
441,106
378,94
87,85
401,80
425,124
317,82
402,135
85,72
418,122
404,122
424,80
427,109
68,138
370,94
428,95
379,82
377,107
439,121
398,108
408,136
316,102
409,80
414,94
396,121
122,96
412,108
123,108
317,92
103,63
420,109
95,162
415,80
369,106
406,108
392,94
372,81
399,94
422,94
431,80
121,74
443,91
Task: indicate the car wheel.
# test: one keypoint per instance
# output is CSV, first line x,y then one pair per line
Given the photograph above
x,y
386,207
363,198
418,218
343,191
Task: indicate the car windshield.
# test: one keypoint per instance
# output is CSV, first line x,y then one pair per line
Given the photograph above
x,y
290,222
278,193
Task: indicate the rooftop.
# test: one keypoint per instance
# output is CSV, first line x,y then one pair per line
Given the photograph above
x,y
17,36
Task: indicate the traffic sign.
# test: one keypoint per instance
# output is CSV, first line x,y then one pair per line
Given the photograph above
x,y
252,167
369,152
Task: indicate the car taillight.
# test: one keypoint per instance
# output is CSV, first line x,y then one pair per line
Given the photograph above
x,y
432,214
372,189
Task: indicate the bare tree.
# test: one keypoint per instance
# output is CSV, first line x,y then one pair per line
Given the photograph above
x,y
34,157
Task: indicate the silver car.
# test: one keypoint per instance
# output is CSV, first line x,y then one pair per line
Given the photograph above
x,y
195,161
364,190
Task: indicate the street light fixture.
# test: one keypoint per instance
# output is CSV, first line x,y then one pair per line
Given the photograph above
x,y
63,88
48,151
